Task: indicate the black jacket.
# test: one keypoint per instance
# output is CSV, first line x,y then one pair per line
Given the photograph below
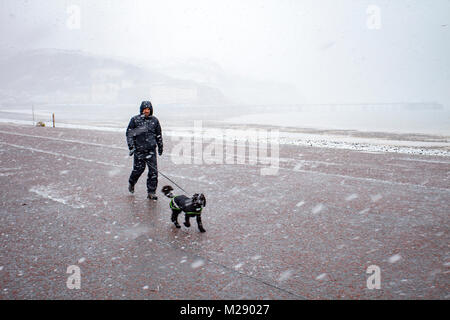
x,y
144,134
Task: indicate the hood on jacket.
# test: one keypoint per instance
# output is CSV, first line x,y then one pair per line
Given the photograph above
x,y
146,104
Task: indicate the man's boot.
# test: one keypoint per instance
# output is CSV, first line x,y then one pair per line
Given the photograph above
x,y
152,196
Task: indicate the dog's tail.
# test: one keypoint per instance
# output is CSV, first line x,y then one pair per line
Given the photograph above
x,y
168,191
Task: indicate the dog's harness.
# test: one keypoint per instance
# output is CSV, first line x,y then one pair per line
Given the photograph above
x,y
173,205
198,212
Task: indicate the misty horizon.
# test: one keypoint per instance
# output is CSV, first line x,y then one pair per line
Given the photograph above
x,y
293,52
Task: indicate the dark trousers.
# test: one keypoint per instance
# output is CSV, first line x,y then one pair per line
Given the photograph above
x,y
140,160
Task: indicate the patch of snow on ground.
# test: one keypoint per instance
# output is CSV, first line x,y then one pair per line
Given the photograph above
x,y
317,208
56,194
351,197
395,258
285,275
197,264
376,197
321,276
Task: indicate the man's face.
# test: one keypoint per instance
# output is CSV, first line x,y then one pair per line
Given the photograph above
x,y
146,112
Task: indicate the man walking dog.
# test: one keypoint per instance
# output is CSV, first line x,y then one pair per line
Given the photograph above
x,y
143,136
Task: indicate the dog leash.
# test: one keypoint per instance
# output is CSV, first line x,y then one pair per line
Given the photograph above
x,y
167,178
132,152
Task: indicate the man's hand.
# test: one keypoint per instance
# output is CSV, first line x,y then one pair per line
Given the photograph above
x,y
132,150
160,151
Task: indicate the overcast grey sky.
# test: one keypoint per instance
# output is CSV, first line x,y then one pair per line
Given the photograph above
x,y
332,51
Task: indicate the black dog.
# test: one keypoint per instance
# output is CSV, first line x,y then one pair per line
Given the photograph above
x,y
190,206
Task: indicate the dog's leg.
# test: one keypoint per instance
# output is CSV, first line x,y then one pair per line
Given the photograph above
x,y
199,224
175,218
186,221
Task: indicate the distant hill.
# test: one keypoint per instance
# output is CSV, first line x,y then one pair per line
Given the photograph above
x,y
59,76
239,89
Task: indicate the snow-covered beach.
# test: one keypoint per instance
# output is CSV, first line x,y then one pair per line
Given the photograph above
x,y
411,129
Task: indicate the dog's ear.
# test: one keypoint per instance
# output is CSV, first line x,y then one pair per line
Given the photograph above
x,y
203,199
